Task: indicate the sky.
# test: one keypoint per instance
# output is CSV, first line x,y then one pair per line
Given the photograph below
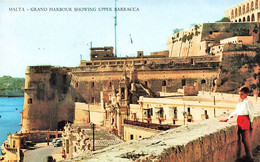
x,y
31,33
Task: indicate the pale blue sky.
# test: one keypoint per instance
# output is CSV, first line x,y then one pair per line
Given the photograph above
x,y
59,38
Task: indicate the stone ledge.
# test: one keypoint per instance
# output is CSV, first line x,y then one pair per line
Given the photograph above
x,y
208,140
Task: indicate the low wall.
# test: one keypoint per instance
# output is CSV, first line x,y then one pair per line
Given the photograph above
x,y
208,140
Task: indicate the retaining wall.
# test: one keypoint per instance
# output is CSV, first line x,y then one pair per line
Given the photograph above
x,y
208,140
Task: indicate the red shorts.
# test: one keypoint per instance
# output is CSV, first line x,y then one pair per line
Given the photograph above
x,y
243,122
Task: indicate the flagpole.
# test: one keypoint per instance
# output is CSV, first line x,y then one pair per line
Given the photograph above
x,y
115,28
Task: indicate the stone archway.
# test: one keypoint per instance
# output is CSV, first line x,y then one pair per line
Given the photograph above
x,y
248,18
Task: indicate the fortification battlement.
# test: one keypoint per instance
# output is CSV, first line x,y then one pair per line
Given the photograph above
x,y
148,62
46,69
38,69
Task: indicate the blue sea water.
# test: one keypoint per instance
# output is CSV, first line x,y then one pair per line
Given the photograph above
x,y
10,108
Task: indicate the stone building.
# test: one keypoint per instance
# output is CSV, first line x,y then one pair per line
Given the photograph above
x,y
247,11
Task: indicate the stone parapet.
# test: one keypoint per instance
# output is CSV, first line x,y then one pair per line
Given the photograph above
x,y
208,140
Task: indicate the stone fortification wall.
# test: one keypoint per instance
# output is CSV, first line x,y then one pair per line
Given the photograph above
x,y
48,98
198,40
209,140
186,43
89,84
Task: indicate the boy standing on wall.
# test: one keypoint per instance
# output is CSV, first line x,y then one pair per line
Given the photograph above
x,y
244,120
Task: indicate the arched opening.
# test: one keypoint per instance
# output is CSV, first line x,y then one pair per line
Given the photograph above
x,y
244,9
248,18
244,19
247,7
203,81
252,5
235,20
256,4
146,83
92,84
214,82
164,83
232,14
236,12
29,101
53,79
239,20
239,11
183,82
61,124
122,93
253,17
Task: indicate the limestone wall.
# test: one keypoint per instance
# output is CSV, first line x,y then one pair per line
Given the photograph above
x,y
209,140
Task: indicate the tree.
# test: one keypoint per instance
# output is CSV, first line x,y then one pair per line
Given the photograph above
x,y
177,30
224,19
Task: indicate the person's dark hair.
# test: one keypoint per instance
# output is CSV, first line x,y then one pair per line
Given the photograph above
x,y
245,90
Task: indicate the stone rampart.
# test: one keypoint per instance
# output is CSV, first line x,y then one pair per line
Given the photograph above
x,y
209,140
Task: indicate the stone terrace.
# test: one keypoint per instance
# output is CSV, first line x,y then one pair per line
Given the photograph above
x,y
208,140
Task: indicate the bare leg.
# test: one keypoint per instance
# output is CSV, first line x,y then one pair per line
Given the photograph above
x,y
238,144
247,144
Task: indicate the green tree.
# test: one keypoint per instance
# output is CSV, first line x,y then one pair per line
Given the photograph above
x,y
177,30
224,19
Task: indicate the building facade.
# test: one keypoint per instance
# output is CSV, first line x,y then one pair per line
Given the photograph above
x,y
247,11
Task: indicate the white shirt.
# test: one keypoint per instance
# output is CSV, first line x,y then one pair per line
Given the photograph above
x,y
243,108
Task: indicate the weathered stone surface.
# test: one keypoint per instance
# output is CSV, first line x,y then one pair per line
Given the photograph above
x,y
187,143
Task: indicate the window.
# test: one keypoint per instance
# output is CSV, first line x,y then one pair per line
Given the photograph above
x,y
13,143
206,114
146,83
92,84
203,81
175,113
122,93
164,83
29,101
160,113
92,99
189,117
131,136
183,82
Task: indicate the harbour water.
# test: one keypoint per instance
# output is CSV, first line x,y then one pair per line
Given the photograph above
x,y
10,116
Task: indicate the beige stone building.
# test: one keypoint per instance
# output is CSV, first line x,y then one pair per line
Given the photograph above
x,y
247,11
238,40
